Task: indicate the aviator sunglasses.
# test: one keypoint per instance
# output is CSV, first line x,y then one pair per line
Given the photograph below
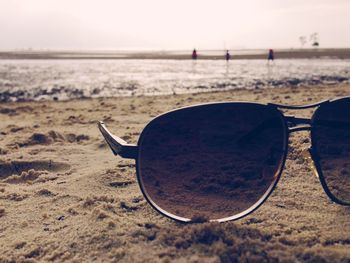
x,y
221,161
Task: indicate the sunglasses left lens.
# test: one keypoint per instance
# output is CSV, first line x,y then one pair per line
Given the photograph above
x,y
215,161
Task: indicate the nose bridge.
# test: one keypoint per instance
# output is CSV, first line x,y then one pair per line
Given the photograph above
x,y
295,124
298,124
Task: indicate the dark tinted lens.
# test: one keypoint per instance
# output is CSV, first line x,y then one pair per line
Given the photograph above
x,y
213,161
331,137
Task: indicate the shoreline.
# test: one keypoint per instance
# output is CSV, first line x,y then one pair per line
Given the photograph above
x,y
162,95
343,87
319,53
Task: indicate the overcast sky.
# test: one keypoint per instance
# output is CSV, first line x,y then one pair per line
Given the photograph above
x,y
171,24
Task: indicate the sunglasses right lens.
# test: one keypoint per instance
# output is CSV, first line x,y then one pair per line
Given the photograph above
x,y
331,138
212,161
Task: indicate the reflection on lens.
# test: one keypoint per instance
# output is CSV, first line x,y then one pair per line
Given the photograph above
x,y
211,161
331,135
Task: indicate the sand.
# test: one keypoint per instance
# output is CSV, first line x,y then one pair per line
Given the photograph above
x,y
65,197
304,53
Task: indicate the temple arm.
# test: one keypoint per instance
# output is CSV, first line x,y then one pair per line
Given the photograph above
x,y
118,145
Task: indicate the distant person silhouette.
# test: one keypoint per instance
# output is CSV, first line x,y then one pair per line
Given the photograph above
x,y
194,54
227,56
271,55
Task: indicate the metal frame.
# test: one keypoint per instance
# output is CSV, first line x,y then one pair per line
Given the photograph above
x,y
118,145
316,160
291,124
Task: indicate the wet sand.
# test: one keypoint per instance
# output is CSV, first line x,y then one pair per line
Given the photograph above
x,y
306,53
65,197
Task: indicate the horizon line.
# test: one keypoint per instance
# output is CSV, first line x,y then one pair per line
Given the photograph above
x,y
159,50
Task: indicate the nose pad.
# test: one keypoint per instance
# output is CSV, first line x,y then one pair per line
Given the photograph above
x,y
308,157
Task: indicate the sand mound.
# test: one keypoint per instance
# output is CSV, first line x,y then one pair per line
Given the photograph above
x,y
28,170
15,111
38,138
17,197
7,111
3,151
52,137
76,138
24,177
2,212
45,192
15,128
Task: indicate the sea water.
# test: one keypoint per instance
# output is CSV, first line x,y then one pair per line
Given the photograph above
x,y
71,79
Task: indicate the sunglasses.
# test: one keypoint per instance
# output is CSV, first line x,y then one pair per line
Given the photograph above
x,y
221,161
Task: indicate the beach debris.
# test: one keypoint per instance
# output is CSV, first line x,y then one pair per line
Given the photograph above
x,y
20,245
45,192
60,218
129,207
121,184
34,253
137,199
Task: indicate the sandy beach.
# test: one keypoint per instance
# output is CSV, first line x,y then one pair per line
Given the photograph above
x,y
65,197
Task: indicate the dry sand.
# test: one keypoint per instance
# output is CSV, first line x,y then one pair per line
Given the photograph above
x,y
64,196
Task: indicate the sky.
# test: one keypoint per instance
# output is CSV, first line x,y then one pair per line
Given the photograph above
x,y
171,25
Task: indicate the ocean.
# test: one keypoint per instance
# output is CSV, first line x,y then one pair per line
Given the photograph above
x,y
22,80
